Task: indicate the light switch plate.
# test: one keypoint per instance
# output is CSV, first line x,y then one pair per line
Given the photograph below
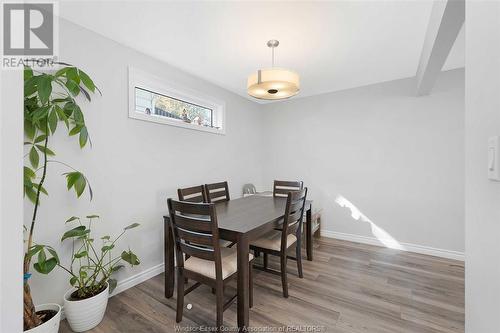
x,y
493,158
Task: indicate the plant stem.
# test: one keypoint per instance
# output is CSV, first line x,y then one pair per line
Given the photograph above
x,y
37,201
30,318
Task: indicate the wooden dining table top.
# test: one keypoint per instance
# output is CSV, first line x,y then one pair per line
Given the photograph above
x,y
247,214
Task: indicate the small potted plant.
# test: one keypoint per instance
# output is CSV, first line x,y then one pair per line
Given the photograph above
x,y
91,269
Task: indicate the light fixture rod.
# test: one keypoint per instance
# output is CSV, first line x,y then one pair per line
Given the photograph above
x,y
272,44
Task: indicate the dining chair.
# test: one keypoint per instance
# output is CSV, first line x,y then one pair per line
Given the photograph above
x,y
278,242
192,194
212,265
217,192
282,187
197,194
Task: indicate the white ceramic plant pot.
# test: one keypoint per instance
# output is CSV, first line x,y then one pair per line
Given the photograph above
x,y
85,314
51,326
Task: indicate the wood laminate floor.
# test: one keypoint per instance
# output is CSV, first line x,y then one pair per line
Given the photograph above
x,y
348,288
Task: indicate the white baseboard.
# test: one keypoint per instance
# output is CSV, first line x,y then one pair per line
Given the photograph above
x,y
138,278
407,246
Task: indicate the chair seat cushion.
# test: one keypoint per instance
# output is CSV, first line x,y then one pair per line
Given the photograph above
x,y
224,243
272,241
207,267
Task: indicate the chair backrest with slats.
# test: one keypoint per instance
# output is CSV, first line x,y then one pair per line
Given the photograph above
x,y
217,192
292,222
196,232
192,194
282,187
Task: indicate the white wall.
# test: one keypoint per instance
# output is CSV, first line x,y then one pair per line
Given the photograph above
x,y
11,201
134,165
482,197
396,157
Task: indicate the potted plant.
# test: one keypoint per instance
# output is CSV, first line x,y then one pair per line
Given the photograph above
x,y
49,99
90,271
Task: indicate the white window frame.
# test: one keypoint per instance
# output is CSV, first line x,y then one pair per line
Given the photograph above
x,y
143,80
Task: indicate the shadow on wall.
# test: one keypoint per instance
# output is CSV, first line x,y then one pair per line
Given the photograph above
x,y
383,236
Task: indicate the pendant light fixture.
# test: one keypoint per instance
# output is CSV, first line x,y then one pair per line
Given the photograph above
x,y
273,83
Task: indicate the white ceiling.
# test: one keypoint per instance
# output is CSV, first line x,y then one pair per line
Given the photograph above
x,y
332,45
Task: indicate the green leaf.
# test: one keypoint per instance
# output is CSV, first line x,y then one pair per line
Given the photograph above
x,y
41,256
29,173
112,285
34,250
68,108
34,158
83,274
81,254
75,232
44,88
45,267
40,138
52,120
73,280
53,253
80,185
42,189
133,225
73,87
75,130
72,74
86,80
62,71
117,268
72,218
62,115
105,237
45,150
30,193
83,136
29,129
72,177
28,73
107,247
92,216
130,257
60,112
39,114
78,116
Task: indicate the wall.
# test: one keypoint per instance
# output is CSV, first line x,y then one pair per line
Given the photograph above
x,y
482,197
11,202
380,162
133,165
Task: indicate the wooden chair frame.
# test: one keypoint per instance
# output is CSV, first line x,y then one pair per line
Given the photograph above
x,y
292,222
214,196
282,187
192,194
193,224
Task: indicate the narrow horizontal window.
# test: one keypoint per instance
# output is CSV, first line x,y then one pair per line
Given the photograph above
x,y
152,99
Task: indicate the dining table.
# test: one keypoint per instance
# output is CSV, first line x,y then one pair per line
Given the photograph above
x,y
241,221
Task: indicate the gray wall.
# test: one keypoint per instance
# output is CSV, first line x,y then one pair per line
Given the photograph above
x,y
381,152
482,197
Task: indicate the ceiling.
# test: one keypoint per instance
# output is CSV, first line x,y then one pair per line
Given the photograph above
x,y
332,45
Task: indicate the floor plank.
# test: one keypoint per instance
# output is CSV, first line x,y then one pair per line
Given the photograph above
x,y
348,288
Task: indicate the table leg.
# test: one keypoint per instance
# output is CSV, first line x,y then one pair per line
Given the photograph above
x,y
309,245
168,258
243,301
